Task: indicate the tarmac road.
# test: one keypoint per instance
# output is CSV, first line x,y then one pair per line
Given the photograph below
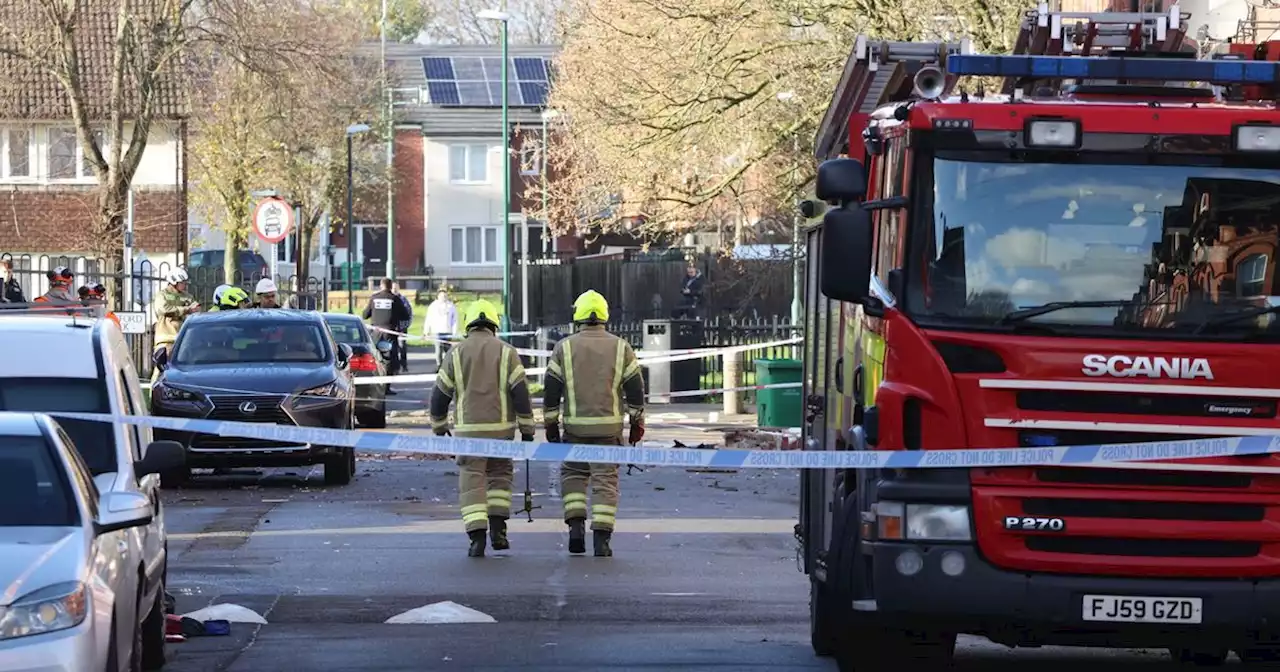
x,y
704,576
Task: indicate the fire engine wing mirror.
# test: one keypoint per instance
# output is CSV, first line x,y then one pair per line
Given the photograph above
x,y
846,254
841,181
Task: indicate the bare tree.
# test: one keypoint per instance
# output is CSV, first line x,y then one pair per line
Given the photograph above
x,y
532,22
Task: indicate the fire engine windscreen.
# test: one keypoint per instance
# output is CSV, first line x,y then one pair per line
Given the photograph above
x,y
1162,247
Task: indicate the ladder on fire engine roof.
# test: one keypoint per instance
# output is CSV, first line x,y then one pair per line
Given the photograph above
x,y
1046,33
877,72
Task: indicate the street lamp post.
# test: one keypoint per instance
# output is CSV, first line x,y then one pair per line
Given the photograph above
x,y
389,126
501,15
352,131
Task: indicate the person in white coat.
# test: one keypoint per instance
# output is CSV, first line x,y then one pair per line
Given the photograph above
x,y
441,322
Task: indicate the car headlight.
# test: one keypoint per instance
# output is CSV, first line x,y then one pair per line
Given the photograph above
x,y
167,393
57,607
922,522
330,390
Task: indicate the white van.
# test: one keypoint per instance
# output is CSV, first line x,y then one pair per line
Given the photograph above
x,y
51,362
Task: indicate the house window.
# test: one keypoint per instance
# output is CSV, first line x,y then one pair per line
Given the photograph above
x,y
531,155
15,153
65,157
469,164
1251,276
473,245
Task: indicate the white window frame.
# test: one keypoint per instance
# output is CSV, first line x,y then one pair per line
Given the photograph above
x,y
81,167
531,154
33,154
470,152
496,260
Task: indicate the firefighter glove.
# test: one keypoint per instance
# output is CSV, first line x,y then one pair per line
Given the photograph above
x,y
553,432
637,433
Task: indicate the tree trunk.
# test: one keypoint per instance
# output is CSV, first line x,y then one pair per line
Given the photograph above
x,y
306,234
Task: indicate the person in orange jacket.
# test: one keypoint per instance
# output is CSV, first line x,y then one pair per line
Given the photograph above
x,y
95,293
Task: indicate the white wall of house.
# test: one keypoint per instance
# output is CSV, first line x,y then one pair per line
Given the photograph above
x,y
463,206
48,154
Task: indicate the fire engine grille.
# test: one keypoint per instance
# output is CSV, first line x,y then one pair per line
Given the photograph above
x,y
1176,405
1121,477
1148,548
1137,510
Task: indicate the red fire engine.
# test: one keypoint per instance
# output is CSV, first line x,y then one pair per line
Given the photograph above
x,y
1083,255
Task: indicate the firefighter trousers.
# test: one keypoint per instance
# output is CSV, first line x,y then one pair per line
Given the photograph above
x,y
603,479
166,348
484,489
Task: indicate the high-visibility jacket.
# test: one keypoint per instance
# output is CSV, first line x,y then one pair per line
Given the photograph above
x,y
597,372
484,378
170,310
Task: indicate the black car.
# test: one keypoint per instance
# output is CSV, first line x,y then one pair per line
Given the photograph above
x,y
277,366
367,360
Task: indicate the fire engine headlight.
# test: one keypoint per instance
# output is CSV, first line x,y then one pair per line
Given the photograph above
x,y
923,522
1053,133
1258,138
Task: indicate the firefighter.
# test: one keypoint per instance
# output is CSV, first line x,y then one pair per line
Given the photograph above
x,y
597,373
217,297
60,280
95,294
234,298
171,309
484,375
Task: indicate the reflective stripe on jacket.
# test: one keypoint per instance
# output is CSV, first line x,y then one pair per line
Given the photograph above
x,y
593,365
486,381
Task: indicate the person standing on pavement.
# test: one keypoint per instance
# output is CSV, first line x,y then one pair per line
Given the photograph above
x,y
403,327
60,291
596,372
265,292
441,322
10,290
171,310
94,294
485,377
385,312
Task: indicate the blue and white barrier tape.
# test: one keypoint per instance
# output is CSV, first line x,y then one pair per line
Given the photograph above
x,y
1083,456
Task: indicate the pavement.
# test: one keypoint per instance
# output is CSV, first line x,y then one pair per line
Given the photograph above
x,y
704,576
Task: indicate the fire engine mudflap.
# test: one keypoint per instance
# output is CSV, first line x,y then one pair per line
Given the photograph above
x,y
1086,261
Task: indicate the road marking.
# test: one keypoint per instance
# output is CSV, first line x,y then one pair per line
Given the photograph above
x,y
539,526
441,612
232,613
676,594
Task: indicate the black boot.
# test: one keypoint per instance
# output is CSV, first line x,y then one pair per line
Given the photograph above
x,y
601,543
578,535
477,544
498,533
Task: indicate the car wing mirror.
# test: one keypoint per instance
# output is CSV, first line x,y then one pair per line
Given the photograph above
x,y
121,511
161,456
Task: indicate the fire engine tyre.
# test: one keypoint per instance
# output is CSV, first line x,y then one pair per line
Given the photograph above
x,y
1260,658
339,468
825,625
870,648
1199,657
175,478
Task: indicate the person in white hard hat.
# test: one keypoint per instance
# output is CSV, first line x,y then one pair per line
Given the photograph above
x,y
266,294
171,310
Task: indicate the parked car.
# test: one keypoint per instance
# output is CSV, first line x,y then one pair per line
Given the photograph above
x,y
77,597
368,359
77,363
256,365
251,266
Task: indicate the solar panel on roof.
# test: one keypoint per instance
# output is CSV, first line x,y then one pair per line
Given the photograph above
x,y
531,70
513,92
468,69
442,93
475,94
438,69
534,93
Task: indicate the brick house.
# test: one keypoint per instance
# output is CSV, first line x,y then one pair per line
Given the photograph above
x,y
47,189
448,209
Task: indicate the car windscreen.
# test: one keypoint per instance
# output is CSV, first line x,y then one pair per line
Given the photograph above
x,y
33,485
350,332
250,341
94,440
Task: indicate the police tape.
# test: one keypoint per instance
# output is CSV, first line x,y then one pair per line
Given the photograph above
x,y
1102,455
447,337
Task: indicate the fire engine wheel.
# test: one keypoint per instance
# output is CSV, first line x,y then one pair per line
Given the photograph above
x,y
824,624
1199,657
869,648
1260,658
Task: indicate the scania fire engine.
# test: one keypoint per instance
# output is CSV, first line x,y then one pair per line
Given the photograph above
x,y
1074,244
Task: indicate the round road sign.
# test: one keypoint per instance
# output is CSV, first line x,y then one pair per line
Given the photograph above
x,y
273,220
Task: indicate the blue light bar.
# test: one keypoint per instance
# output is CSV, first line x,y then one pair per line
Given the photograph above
x,y
1084,67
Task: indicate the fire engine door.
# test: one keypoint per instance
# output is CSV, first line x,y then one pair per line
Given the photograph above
x,y
819,356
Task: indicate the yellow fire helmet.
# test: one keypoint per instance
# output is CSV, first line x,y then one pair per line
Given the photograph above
x,y
590,306
481,313
233,298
